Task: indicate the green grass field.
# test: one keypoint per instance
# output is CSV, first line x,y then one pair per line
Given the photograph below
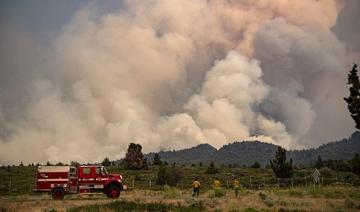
x,y
249,177
323,198
260,191
20,180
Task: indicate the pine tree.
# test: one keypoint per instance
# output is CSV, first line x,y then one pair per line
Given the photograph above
x,y
145,164
212,169
134,158
106,162
280,166
256,165
74,163
319,162
162,175
157,160
355,162
353,100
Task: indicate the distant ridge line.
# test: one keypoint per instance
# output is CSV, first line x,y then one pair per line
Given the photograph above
x,y
247,152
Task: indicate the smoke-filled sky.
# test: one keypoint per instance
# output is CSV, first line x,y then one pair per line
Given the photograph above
x,y
80,80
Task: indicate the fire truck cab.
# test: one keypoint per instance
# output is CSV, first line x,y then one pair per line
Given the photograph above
x,y
61,180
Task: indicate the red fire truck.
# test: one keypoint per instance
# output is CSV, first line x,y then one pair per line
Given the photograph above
x,y
61,180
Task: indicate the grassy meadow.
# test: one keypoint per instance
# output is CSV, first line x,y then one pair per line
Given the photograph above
x,y
260,191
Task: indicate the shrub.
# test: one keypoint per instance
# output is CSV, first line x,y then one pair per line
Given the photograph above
x,y
216,193
175,175
166,188
219,192
262,195
137,177
326,172
269,202
250,210
170,192
266,199
211,193
170,176
162,175
212,169
256,165
349,203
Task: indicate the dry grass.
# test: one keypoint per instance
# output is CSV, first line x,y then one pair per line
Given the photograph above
x,y
287,199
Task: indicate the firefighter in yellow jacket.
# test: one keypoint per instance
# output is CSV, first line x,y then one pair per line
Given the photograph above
x,y
216,183
196,187
236,185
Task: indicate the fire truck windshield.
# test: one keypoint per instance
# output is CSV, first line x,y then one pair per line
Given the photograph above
x,y
104,171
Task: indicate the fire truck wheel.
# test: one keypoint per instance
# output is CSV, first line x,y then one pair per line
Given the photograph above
x,y
113,192
58,193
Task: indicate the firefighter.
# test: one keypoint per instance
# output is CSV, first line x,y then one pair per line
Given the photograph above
x,y
236,185
196,186
216,183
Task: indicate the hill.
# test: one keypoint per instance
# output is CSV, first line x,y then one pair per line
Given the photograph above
x,y
344,149
247,152
195,155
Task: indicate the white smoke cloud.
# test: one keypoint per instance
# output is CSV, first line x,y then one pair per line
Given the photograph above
x,y
173,74
228,93
223,110
310,65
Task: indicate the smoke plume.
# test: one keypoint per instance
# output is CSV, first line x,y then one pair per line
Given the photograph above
x,y
174,74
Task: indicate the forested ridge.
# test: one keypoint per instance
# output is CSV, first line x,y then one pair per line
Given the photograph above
x,y
248,152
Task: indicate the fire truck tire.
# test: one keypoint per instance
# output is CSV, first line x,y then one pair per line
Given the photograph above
x,y
58,193
113,192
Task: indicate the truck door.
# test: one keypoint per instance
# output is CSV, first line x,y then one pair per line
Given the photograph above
x,y
86,179
100,178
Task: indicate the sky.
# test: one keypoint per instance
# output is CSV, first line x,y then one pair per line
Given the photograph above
x,y
80,80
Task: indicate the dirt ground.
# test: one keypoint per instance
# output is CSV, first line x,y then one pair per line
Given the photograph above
x,y
247,200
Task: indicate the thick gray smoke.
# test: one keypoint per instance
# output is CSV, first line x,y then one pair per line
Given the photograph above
x,y
173,74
